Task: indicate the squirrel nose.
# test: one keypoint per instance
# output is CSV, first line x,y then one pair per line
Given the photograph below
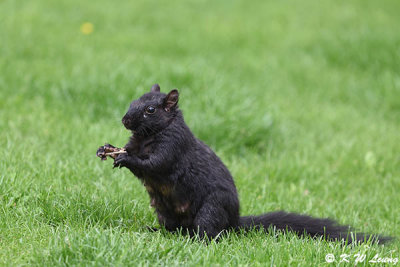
x,y
126,121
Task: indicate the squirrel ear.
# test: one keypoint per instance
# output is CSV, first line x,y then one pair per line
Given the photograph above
x,y
155,88
171,100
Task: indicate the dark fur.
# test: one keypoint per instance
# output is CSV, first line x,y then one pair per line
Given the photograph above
x,y
189,186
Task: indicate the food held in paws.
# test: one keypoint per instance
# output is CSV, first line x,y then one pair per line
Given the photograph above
x,y
110,151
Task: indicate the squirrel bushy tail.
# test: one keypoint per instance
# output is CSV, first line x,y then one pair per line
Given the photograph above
x,y
307,225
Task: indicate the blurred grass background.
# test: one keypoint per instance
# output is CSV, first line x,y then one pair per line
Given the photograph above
x,y
301,100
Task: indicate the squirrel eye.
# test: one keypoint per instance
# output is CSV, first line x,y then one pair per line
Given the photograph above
x,y
150,110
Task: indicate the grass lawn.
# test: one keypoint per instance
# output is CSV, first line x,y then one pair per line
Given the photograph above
x,y
301,100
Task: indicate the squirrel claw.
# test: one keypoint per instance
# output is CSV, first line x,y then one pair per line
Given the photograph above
x,y
120,161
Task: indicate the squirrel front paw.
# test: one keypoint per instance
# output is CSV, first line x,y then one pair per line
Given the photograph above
x,y
121,160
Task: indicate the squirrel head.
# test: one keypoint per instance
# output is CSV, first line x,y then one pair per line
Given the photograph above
x,y
152,112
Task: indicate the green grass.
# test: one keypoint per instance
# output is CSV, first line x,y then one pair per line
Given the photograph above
x,y
301,100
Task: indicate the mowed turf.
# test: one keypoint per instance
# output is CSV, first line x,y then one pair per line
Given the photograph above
x,y
301,100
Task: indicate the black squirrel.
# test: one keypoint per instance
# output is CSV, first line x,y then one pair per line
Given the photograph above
x,y
189,186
